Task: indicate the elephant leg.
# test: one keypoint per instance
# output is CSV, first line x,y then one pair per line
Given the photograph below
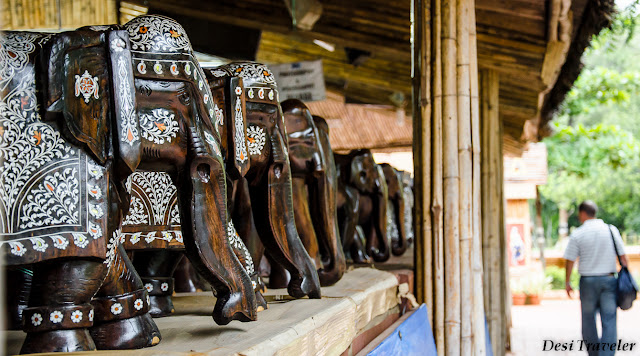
x,y
378,241
60,313
274,218
202,198
156,269
349,233
279,277
358,248
186,280
399,246
122,319
18,297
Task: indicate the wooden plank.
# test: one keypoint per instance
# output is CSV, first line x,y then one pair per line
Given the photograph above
x,y
528,26
535,10
300,327
276,19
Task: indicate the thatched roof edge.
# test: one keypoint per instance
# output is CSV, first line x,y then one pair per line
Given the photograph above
x,y
598,15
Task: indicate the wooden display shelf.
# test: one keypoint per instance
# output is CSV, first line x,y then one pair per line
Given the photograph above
x,y
363,298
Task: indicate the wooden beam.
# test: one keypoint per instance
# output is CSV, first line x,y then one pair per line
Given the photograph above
x,y
276,19
305,14
535,10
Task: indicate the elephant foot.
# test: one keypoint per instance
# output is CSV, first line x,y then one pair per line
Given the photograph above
x,y
161,306
307,285
17,300
58,328
160,290
133,333
361,257
124,322
358,255
234,307
279,277
262,303
329,278
72,340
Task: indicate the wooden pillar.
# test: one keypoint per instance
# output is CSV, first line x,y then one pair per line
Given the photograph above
x,y
465,169
421,75
436,176
494,243
451,178
447,173
477,322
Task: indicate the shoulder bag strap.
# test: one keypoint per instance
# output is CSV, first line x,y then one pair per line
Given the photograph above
x,y
615,247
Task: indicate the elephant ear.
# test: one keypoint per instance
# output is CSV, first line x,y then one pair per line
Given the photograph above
x,y
91,82
78,86
236,119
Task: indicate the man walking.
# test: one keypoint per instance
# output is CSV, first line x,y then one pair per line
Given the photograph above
x,y
592,243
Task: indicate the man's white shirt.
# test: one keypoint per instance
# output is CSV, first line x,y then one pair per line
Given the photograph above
x,y
592,243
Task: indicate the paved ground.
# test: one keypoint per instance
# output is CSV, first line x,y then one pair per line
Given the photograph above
x,y
559,320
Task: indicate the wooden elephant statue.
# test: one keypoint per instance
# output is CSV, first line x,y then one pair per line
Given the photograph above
x,y
263,206
407,183
71,132
396,228
362,202
314,183
153,224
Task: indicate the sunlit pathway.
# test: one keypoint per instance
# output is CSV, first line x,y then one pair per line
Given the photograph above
x,y
559,320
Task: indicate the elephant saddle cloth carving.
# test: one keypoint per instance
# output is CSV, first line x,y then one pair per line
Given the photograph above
x,y
53,196
153,220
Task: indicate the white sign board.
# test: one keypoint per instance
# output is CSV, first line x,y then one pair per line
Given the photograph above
x,y
300,80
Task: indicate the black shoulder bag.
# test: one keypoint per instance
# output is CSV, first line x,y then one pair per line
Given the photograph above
x,y
627,289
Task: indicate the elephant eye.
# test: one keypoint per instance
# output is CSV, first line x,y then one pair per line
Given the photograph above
x,y
145,89
184,97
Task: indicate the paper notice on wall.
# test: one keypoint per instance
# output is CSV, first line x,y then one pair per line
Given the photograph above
x,y
300,80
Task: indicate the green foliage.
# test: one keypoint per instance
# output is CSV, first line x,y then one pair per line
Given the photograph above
x,y
600,86
583,162
557,275
594,153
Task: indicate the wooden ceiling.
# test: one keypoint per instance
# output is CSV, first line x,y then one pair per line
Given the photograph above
x,y
526,41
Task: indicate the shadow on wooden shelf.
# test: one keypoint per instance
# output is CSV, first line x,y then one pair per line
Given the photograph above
x,y
364,302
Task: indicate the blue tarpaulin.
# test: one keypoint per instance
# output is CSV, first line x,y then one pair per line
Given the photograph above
x,y
412,337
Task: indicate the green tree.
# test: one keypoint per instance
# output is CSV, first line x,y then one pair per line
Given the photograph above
x,y
600,163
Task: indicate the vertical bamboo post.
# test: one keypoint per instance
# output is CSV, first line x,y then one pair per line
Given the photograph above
x,y
437,176
479,336
492,202
505,304
465,172
426,155
421,151
451,179
486,197
495,212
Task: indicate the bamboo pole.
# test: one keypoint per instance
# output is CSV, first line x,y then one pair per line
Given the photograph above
x,y
422,150
465,172
504,271
425,70
486,197
451,179
437,176
495,211
479,336
491,209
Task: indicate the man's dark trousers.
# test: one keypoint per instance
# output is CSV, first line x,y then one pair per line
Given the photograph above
x,y
598,293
